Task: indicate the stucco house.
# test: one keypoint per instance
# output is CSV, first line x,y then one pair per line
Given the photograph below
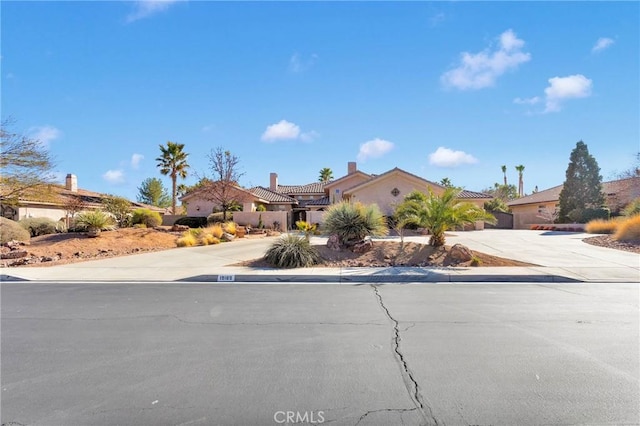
x,y
53,205
540,206
308,201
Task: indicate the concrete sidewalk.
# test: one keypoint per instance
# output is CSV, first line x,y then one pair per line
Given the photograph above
x,y
561,257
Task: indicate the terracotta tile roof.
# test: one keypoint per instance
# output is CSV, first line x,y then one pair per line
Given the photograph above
x,y
630,187
472,194
271,196
324,201
310,188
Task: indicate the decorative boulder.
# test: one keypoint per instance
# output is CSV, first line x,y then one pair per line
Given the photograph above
x,y
459,253
333,243
362,247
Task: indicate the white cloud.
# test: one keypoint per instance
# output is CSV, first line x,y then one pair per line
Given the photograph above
x,y
44,134
602,44
298,64
480,70
114,176
136,159
445,157
527,101
309,136
281,130
374,148
146,8
562,88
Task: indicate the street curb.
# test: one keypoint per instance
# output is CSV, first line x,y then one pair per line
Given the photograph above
x,y
347,279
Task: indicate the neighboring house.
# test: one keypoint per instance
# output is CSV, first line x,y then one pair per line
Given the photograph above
x,y
53,205
542,206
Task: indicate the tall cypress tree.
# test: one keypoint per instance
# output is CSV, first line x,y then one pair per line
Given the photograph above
x,y
582,186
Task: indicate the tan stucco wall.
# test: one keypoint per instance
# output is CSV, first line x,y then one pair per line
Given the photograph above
x,y
336,190
48,212
526,214
380,192
252,218
315,216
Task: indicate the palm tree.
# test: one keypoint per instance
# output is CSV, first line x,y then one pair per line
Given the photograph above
x,y
173,162
520,169
504,172
446,182
325,175
439,213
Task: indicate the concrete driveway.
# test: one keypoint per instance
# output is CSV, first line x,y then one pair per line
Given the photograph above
x,y
555,254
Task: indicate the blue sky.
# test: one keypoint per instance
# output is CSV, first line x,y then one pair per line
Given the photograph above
x,y
440,89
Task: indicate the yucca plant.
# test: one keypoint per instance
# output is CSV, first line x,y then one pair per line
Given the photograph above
x,y
94,222
292,251
352,222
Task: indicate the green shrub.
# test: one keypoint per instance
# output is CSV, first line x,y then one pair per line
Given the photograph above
x,y
353,222
95,220
140,226
39,225
11,230
146,217
628,229
292,251
632,209
261,208
192,221
589,214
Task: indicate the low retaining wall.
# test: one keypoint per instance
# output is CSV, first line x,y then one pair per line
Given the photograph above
x,y
268,218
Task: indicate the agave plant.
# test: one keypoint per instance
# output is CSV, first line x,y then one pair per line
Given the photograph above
x,y
94,222
352,222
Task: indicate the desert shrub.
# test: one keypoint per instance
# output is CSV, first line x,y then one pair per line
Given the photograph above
x,y
601,226
632,209
147,217
215,230
206,238
96,219
354,222
39,225
292,251
230,227
187,240
140,226
307,228
192,221
475,261
11,230
628,229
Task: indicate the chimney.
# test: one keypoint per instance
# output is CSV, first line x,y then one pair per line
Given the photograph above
x,y
351,167
71,183
273,182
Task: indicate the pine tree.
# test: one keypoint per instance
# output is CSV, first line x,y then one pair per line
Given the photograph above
x,y
582,187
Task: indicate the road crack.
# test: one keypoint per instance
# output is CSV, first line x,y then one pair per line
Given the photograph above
x,y
409,380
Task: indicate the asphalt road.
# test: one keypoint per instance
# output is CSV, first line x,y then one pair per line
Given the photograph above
x,y
261,354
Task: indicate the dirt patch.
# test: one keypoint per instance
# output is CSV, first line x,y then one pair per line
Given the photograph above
x,y
393,253
57,249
